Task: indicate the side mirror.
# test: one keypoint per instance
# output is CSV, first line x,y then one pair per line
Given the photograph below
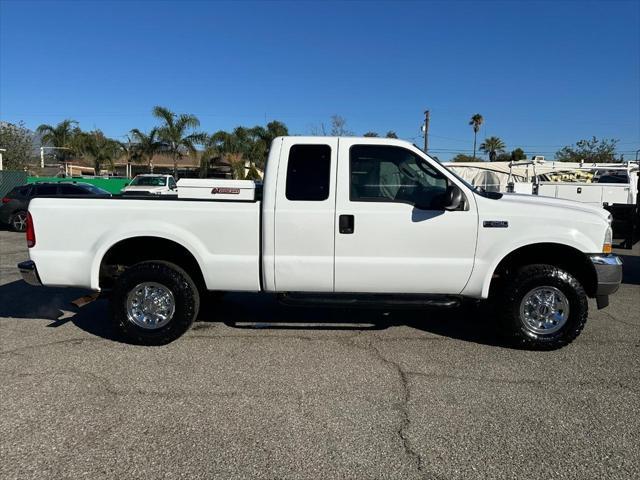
x,y
453,198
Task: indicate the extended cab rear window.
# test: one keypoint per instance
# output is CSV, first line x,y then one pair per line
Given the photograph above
x,y
308,173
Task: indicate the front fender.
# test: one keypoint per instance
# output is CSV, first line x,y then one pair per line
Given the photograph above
x,y
489,258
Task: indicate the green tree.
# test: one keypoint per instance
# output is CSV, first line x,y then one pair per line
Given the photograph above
x,y
589,151
475,122
492,146
175,133
260,139
18,144
513,156
61,136
146,145
371,134
274,129
99,148
461,157
391,134
518,154
240,146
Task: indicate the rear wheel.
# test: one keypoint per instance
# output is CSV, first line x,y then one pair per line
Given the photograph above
x,y
18,221
154,303
542,307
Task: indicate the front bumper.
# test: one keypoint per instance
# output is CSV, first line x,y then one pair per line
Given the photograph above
x,y
29,273
608,274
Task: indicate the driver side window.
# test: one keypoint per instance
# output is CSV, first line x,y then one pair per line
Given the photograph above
x,y
382,173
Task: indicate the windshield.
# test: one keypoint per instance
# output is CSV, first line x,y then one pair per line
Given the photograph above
x,y
94,189
150,181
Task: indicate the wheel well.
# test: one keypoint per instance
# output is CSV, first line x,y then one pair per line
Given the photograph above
x,y
561,256
139,249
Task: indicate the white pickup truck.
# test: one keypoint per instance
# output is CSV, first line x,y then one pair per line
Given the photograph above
x,y
349,221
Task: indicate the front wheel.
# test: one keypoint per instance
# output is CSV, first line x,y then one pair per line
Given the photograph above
x,y
154,303
542,307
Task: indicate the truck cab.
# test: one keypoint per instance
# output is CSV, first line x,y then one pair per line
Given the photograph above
x,y
367,217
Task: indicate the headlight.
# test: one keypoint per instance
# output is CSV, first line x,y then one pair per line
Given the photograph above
x,y
608,240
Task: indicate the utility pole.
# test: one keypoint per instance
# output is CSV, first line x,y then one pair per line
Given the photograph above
x,y
426,130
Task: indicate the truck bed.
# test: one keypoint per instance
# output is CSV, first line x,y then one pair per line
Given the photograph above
x,y
223,236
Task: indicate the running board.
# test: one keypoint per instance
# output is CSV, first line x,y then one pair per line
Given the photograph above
x,y
359,300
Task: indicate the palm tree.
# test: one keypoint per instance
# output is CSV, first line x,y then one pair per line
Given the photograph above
x,y
174,133
99,148
245,149
130,152
234,147
146,145
475,123
260,139
492,146
60,136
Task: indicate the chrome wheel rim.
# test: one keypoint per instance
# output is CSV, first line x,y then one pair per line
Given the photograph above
x,y
150,305
544,310
20,222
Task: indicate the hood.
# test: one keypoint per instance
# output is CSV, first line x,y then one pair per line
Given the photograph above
x,y
538,201
143,188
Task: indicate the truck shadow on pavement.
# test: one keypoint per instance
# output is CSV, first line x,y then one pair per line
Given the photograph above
x,y
18,299
247,311
262,311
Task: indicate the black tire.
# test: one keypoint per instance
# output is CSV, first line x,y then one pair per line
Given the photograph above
x,y
185,294
508,299
18,221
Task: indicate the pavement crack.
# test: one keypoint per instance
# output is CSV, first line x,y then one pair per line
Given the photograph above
x,y
617,320
402,406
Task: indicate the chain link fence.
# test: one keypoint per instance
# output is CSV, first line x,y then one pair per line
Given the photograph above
x,y
9,179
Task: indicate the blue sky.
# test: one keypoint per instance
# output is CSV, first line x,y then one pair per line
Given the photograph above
x,y
543,74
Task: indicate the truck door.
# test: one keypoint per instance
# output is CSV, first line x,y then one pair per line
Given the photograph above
x,y
305,215
384,243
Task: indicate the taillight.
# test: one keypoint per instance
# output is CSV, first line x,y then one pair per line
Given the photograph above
x,y
31,233
6,199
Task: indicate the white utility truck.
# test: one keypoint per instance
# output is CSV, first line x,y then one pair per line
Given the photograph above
x,y
345,221
614,186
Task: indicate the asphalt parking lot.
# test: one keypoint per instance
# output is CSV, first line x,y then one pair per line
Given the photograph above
x,y
259,390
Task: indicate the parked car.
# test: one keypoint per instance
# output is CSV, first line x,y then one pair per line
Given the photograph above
x,y
13,210
151,184
342,221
